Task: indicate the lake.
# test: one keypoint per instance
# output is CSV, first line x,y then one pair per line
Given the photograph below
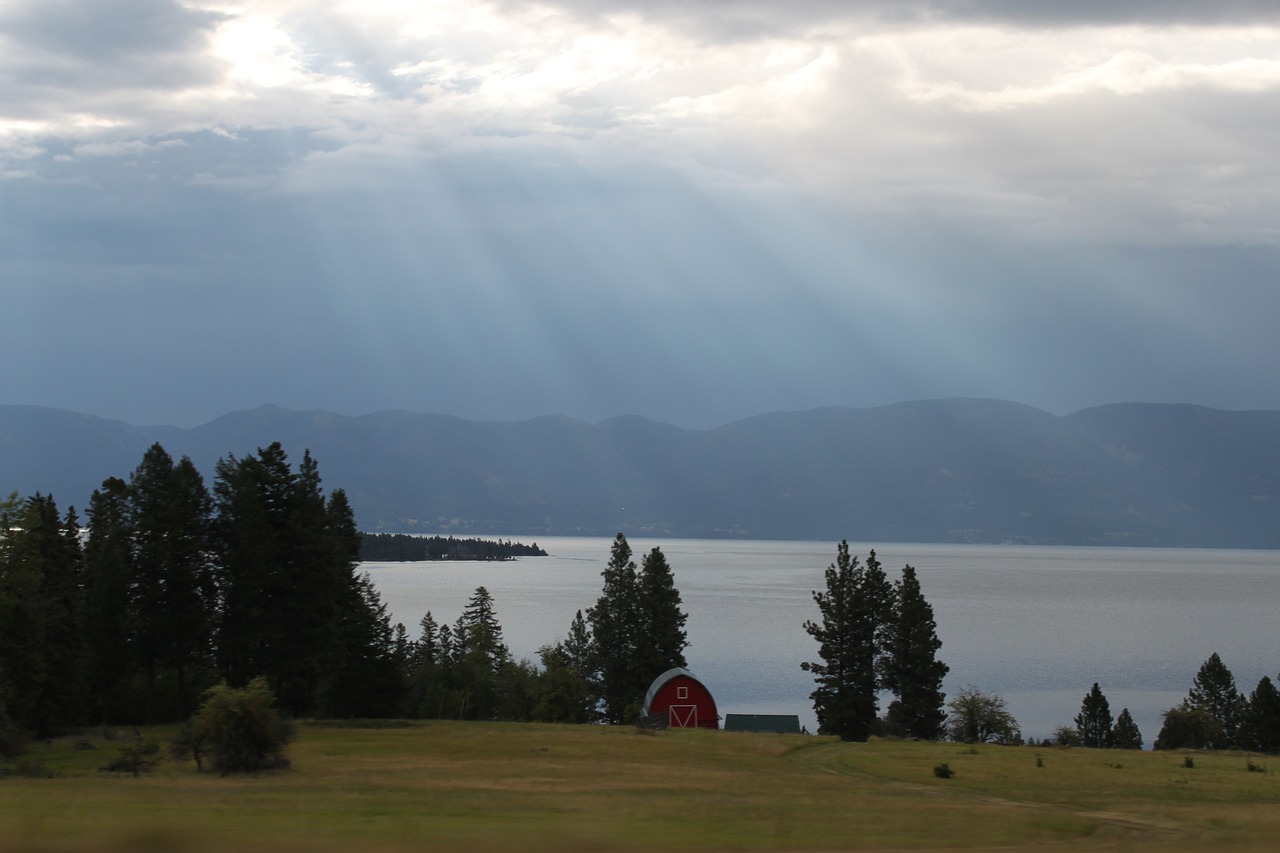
x,y
1037,625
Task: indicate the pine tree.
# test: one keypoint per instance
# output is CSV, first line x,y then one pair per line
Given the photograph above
x,y
1261,724
480,658
662,636
1125,734
429,658
911,669
615,627
1214,692
172,594
569,691
287,577
853,610
108,560
42,650
1094,721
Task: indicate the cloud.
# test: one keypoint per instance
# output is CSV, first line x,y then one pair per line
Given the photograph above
x,y
749,19
636,205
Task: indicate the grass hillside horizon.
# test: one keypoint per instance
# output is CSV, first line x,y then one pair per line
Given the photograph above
x,y
489,786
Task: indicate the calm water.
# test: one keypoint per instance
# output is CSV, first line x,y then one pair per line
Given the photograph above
x,y
1037,625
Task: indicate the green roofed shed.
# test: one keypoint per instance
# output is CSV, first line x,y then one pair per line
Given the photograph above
x,y
783,724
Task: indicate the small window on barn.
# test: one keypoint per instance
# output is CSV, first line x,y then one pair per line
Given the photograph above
x,y
682,692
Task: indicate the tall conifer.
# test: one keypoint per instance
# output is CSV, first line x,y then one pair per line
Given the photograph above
x,y
852,609
911,667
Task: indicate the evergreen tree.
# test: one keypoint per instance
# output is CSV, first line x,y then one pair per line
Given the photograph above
x,y
911,669
615,627
569,691
287,576
365,676
361,673
428,660
662,638
172,593
1094,721
42,651
108,560
483,658
853,609
1214,692
1261,724
1125,734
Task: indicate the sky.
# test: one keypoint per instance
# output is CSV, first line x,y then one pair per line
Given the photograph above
x,y
691,211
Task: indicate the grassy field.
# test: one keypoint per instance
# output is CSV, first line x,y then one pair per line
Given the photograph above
x,y
469,786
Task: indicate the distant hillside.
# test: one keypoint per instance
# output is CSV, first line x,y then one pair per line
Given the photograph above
x,y
957,470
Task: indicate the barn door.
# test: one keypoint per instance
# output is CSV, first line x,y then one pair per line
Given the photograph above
x,y
683,716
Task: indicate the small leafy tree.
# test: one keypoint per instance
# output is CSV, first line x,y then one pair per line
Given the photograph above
x,y
135,757
1125,734
1094,720
978,717
1066,736
1186,727
240,730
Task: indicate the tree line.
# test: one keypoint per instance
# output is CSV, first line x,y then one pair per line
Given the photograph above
x,y
879,637
599,672
402,547
170,588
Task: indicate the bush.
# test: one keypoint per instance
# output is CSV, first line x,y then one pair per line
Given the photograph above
x,y
136,758
943,771
978,717
239,730
1066,736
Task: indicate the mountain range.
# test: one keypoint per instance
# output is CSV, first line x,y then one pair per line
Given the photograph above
x,y
953,470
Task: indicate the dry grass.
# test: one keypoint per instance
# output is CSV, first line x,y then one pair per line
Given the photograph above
x,y
446,786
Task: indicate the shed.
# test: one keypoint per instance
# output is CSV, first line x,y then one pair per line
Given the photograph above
x,y
783,724
685,700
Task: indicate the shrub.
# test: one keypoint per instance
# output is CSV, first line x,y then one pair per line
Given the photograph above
x,y
238,729
1066,736
136,758
1189,762
978,717
943,771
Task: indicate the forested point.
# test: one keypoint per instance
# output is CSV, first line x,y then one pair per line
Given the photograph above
x,y
407,548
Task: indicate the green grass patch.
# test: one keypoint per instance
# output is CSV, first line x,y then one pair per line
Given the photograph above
x,y
444,785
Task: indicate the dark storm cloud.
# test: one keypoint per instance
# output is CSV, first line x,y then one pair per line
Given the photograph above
x,y
95,44
746,19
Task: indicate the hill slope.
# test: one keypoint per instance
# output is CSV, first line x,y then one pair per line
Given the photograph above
x,y
957,470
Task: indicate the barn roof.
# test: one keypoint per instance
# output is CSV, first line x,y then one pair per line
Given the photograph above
x,y
674,672
784,724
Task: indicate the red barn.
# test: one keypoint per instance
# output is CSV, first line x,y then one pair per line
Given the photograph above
x,y
685,700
